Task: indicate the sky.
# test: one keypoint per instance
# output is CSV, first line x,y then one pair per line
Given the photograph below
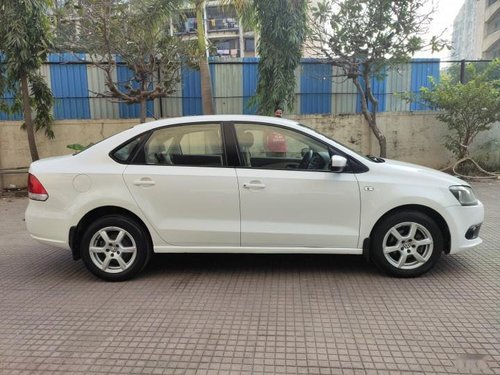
x,y
442,19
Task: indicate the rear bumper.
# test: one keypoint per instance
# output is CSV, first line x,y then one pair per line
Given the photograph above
x,y
46,226
51,242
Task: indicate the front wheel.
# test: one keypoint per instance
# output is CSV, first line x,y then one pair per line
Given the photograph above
x,y
115,248
406,244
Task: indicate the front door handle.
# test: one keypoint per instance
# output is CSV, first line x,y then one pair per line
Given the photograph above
x,y
254,185
145,181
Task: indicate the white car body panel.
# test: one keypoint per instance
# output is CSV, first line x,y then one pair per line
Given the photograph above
x,y
206,208
51,221
299,208
206,216
397,184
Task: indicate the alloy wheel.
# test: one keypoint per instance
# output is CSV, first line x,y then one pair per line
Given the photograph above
x,y
112,249
408,245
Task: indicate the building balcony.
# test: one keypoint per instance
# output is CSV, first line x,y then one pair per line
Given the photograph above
x,y
491,11
223,34
490,41
222,24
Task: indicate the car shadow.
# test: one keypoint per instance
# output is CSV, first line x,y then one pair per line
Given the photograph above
x,y
257,263
347,265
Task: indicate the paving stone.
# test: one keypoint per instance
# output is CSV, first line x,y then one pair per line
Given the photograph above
x,y
248,314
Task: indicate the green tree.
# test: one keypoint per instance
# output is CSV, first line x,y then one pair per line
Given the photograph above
x,y
206,81
136,32
363,37
282,28
454,71
468,108
25,40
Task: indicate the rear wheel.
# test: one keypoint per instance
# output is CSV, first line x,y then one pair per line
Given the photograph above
x,y
406,244
115,248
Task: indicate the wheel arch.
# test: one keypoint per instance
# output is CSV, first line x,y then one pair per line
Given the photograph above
x,y
77,231
433,214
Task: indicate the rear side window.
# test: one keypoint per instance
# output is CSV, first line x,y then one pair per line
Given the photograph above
x,y
124,152
187,145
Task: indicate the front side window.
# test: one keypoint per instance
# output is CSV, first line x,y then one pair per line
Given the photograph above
x,y
186,145
273,147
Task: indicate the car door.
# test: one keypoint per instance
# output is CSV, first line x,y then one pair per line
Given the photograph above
x,y
181,183
289,196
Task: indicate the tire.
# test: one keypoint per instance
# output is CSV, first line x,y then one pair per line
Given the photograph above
x,y
115,248
406,244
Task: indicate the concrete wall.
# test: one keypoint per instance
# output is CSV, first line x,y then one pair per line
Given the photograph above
x,y
14,150
415,137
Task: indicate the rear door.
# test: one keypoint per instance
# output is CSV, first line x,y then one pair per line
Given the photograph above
x,y
183,186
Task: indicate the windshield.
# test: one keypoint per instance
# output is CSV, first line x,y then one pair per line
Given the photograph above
x,y
373,159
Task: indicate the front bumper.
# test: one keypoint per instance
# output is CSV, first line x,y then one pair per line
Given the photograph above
x,y
460,219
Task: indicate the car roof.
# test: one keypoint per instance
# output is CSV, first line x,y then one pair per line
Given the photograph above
x,y
216,118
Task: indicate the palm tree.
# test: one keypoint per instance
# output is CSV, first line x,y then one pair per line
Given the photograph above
x,y
206,81
282,28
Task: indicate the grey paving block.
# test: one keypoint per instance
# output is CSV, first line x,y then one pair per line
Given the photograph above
x,y
248,314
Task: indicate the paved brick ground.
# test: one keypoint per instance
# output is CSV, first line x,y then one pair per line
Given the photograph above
x,y
248,314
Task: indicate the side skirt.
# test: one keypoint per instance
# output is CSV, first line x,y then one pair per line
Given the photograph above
x,y
256,250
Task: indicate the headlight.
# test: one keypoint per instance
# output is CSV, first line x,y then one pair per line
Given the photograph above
x,y
464,195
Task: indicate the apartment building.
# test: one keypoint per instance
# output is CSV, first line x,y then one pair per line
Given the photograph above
x,y
491,33
223,30
476,30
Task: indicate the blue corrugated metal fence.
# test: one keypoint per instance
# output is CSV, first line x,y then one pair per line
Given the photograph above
x,y
319,89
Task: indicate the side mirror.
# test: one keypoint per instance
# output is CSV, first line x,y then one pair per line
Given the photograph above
x,y
338,164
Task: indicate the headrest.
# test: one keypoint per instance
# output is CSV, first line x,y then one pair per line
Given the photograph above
x,y
246,139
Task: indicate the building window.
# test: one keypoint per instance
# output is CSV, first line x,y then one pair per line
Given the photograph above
x,y
229,47
249,44
187,24
491,2
221,19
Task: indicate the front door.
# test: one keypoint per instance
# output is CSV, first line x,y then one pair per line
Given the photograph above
x,y
289,197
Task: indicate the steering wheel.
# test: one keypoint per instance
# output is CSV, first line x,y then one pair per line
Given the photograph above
x,y
163,158
306,160
159,157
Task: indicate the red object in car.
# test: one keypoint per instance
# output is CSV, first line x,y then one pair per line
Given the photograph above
x,y
276,142
36,191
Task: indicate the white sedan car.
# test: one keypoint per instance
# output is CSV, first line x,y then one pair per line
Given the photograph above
x,y
244,184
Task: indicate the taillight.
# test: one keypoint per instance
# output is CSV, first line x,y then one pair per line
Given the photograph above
x,y
36,191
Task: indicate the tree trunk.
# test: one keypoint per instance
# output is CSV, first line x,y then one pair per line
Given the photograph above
x,y
144,108
371,119
206,82
464,145
27,117
382,141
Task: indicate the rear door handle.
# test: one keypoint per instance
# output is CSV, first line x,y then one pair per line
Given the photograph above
x,y
254,185
145,181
